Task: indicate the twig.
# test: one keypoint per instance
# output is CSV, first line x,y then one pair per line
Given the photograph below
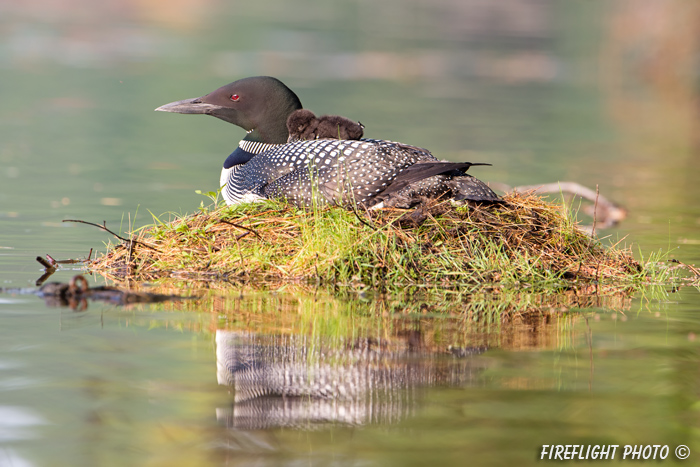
x,y
46,264
49,269
244,234
51,263
354,211
318,276
595,210
610,212
692,269
67,261
595,219
130,257
242,227
104,227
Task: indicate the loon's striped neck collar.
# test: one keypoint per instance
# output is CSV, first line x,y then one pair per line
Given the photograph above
x,y
256,147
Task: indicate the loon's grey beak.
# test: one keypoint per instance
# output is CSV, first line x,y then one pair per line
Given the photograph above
x,y
189,106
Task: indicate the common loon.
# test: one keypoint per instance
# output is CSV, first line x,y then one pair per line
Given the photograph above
x,y
368,172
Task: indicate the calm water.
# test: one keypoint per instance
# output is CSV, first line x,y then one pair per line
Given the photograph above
x,y
600,93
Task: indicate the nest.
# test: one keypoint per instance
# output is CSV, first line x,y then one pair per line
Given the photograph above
x,y
523,241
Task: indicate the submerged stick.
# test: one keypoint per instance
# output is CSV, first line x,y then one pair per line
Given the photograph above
x,y
49,269
51,265
691,268
610,213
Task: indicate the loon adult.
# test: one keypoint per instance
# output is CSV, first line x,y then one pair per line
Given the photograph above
x,y
368,172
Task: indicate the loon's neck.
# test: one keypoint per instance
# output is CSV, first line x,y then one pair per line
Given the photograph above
x,y
245,151
255,147
271,132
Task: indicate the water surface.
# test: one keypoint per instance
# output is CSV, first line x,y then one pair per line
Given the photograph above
x,y
544,91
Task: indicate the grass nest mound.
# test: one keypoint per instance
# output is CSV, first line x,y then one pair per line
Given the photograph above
x,y
524,241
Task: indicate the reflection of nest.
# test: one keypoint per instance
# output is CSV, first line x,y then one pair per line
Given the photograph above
x,y
302,382
423,321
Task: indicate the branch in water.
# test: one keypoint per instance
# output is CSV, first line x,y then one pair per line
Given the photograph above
x,y
605,211
104,227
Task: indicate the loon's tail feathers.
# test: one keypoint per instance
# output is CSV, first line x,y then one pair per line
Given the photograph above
x,y
462,186
470,188
423,170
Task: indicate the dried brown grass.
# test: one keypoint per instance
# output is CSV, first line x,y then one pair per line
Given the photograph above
x,y
523,242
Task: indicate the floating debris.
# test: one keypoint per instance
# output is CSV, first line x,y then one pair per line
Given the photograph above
x,y
76,293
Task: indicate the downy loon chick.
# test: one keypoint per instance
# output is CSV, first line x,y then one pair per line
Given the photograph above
x,y
302,124
368,172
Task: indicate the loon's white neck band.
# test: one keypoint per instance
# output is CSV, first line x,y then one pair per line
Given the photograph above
x,y
255,147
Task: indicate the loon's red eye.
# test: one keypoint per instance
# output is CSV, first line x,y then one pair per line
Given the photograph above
x,y
235,97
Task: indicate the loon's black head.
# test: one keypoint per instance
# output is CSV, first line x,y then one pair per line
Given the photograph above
x,y
260,105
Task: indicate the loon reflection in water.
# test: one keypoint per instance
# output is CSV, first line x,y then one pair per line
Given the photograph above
x,y
300,382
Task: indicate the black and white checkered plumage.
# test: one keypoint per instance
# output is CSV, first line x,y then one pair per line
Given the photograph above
x,y
368,172
336,172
